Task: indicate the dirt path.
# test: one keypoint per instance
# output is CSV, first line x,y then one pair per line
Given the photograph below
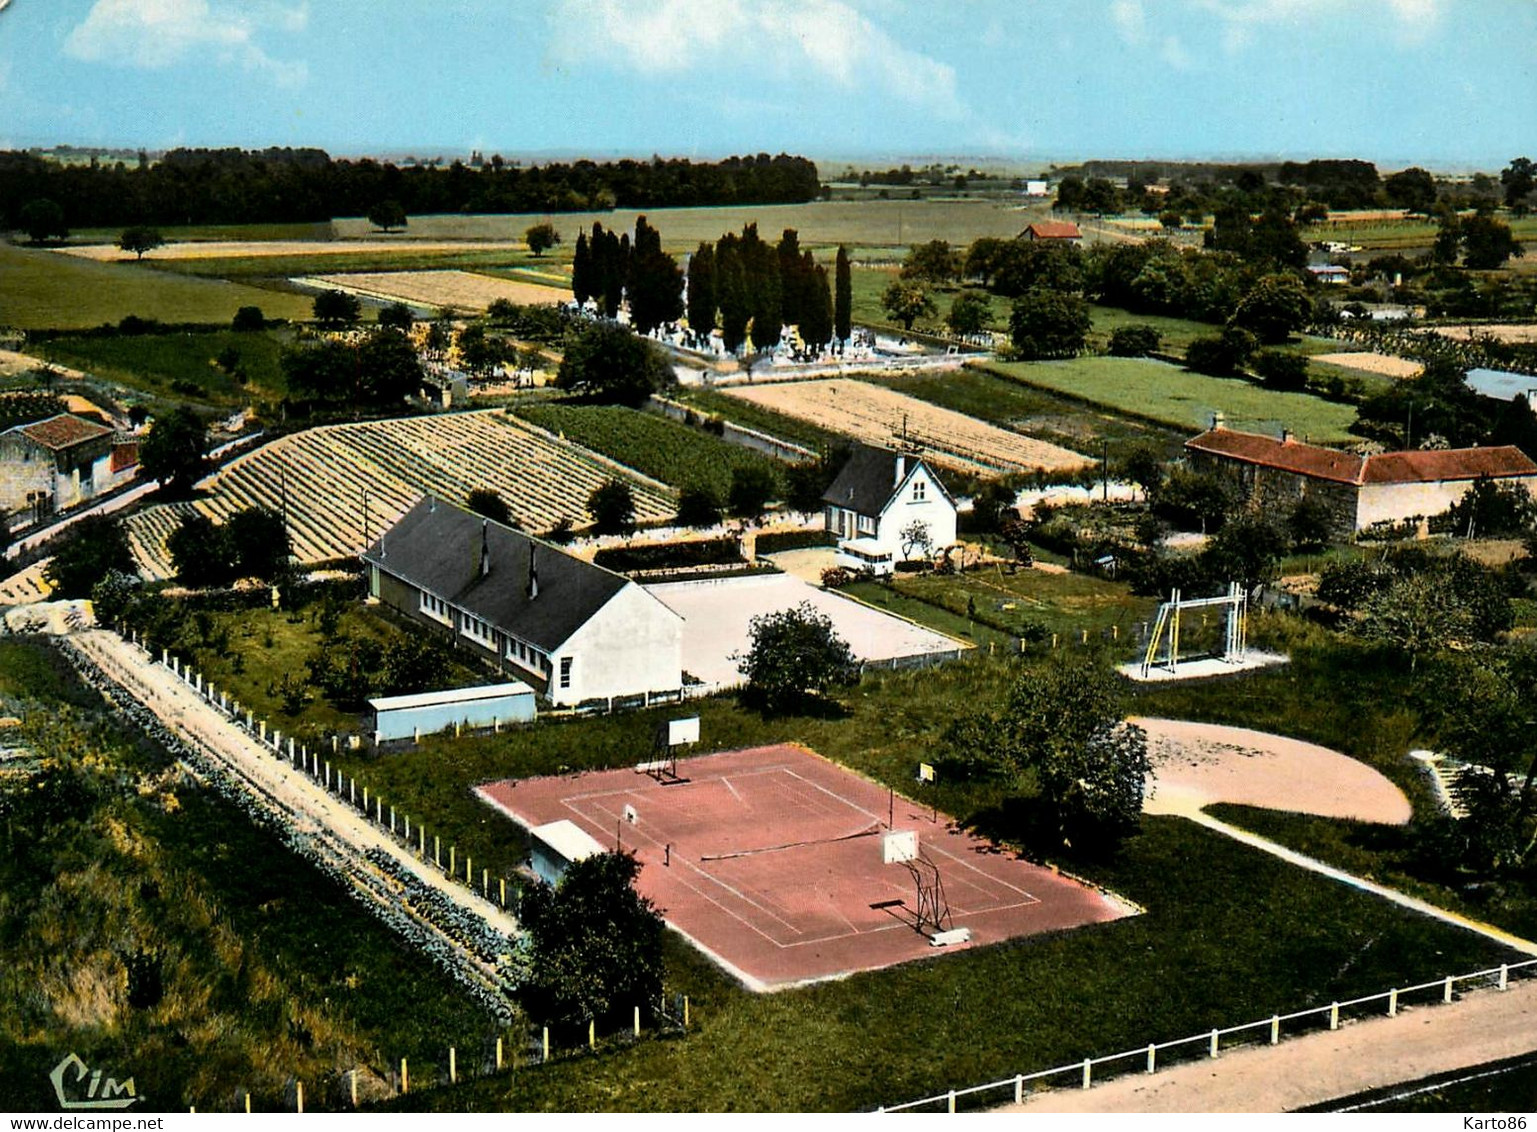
x,y
1374,1054
348,842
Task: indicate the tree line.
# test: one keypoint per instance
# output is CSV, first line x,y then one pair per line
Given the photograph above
x,y
233,186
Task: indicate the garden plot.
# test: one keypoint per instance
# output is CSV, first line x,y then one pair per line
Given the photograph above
x,y
876,415
1385,365
1507,332
717,616
341,485
461,290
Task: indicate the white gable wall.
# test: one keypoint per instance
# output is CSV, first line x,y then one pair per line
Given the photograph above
x,y
634,644
920,497
1395,502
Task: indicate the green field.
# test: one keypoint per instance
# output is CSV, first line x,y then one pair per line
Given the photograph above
x,y
874,223
152,363
202,233
1411,233
1184,400
653,445
280,267
47,290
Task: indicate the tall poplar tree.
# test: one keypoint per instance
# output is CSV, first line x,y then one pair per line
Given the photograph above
x,y
843,297
816,324
581,270
731,293
701,290
791,284
656,282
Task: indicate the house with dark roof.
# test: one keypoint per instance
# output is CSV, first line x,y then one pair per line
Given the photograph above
x,y
573,631
879,494
1052,231
52,464
1359,491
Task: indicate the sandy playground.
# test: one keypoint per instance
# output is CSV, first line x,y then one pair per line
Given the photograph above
x,y
1197,764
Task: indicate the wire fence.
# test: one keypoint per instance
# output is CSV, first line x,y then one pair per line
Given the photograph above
x,y
1156,1055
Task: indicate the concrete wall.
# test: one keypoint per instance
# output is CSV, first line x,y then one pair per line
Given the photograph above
x,y
1397,502
634,644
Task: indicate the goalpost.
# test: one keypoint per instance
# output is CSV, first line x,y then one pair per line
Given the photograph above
x,y
1235,606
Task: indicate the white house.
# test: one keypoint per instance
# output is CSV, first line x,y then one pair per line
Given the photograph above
x,y
878,495
572,630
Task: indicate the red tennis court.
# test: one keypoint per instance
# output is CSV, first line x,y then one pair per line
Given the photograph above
x,y
771,861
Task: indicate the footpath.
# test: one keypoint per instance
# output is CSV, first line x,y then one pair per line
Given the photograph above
x,y
445,916
1487,1025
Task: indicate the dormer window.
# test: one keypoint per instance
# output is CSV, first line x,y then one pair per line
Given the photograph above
x,y
920,487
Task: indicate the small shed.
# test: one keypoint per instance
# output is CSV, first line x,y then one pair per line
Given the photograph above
x,y
407,717
557,845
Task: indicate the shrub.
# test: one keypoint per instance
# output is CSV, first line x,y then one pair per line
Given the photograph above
x,y
248,318
1133,341
670,555
1280,370
776,541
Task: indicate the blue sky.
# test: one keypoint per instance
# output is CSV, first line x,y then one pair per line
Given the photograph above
x,y
1448,83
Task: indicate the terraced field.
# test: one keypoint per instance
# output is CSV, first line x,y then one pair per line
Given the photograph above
x,y
344,484
876,415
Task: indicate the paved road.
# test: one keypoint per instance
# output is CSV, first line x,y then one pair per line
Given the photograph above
x,y
1485,1026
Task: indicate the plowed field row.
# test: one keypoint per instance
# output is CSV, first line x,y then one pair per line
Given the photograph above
x,y
344,484
461,290
880,416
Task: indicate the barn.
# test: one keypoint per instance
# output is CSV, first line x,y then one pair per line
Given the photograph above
x,y
1052,232
575,632
1359,491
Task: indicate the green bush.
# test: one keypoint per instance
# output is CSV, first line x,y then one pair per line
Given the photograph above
x,y
776,541
671,555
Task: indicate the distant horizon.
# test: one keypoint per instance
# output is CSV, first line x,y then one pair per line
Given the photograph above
x,y
1435,83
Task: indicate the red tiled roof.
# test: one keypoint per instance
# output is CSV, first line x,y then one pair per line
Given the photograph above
x,y
1424,466
1054,230
63,431
1429,466
1288,456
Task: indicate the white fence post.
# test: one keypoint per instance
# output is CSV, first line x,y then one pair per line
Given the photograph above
x,y
1275,1029
1214,1038
1088,1071
1152,1058
1393,1003
1334,1016
952,1100
1019,1088
1446,994
1504,976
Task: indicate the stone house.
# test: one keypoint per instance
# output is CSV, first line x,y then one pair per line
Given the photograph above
x,y
53,464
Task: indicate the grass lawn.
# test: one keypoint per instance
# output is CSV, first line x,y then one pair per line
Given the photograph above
x,y
1181,399
663,449
185,233
264,969
46,290
1031,410
265,267
266,645
153,363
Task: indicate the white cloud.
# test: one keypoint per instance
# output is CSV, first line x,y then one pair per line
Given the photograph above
x,y
1411,21
1130,20
159,33
838,42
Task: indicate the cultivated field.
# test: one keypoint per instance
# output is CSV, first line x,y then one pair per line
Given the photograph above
x,y
1503,331
1385,365
44,290
462,290
1169,395
877,415
879,223
344,484
237,249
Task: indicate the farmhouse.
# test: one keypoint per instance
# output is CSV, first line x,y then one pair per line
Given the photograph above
x,y
573,631
1052,231
55,463
879,494
1390,487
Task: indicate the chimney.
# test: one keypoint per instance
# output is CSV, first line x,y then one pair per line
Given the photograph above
x,y
901,466
533,573
485,547
1288,436
1218,420
432,504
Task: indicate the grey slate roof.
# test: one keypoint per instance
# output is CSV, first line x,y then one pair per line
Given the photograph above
x,y
868,481
436,547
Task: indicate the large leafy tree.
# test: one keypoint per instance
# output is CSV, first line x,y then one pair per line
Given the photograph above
x,y
935,262
387,215
93,548
173,449
1049,324
139,240
1486,243
1274,308
1064,726
612,507
259,543
200,551
387,367
596,945
794,657
334,309
609,363
541,237
906,302
42,219
970,313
